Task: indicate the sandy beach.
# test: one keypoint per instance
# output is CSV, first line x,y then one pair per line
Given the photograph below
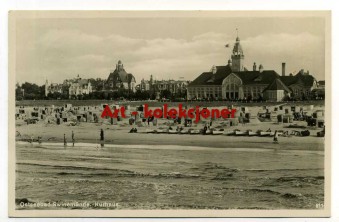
x,y
119,134
167,171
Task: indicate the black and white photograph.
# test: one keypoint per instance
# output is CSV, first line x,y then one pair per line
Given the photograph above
x,y
166,114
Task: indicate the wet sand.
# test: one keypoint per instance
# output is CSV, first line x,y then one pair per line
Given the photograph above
x,y
115,134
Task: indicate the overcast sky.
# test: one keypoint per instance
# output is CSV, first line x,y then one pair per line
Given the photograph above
x,y
56,49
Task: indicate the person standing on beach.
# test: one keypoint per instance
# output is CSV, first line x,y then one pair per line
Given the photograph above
x,y
102,137
31,140
73,140
205,129
65,143
275,138
39,140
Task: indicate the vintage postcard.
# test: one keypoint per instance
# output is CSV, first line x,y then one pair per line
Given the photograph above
x,y
169,113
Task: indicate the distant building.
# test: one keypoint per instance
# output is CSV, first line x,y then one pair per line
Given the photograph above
x,y
120,79
276,91
301,84
79,87
234,82
73,87
319,93
97,84
144,85
53,88
321,84
175,87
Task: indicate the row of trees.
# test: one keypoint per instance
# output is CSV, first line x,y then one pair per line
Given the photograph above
x,y
29,91
129,95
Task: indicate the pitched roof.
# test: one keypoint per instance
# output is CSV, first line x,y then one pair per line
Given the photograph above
x,y
83,81
247,77
256,77
307,79
288,80
120,75
130,78
277,84
251,77
206,78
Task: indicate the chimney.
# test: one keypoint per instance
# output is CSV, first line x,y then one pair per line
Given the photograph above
x,y
214,69
261,68
302,72
283,69
254,67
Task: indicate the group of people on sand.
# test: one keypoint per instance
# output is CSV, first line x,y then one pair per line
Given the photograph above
x,y
133,130
31,140
39,139
102,138
73,139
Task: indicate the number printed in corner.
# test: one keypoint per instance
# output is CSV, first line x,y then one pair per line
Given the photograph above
x,y
319,205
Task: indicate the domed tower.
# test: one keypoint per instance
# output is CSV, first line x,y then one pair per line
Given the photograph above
x,y
119,66
237,57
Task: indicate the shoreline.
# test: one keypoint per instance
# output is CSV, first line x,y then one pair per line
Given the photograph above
x,y
219,141
170,147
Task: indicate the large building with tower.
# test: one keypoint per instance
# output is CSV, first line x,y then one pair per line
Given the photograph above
x,y
234,82
120,79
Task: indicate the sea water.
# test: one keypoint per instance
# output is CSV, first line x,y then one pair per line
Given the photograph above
x,y
87,176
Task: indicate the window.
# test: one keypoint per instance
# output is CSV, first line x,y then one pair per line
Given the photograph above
x,y
296,92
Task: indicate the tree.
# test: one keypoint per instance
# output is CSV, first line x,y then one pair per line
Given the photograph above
x,y
166,94
97,84
56,95
31,91
19,93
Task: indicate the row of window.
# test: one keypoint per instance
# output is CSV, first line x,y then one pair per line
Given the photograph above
x,y
247,90
298,92
255,91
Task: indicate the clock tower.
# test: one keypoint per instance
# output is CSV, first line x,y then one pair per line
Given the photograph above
x,y
237,57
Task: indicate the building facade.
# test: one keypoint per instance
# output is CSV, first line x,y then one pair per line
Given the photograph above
x,y
71,87
51,88
120,79
81,87
234,82
175,87
144,85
